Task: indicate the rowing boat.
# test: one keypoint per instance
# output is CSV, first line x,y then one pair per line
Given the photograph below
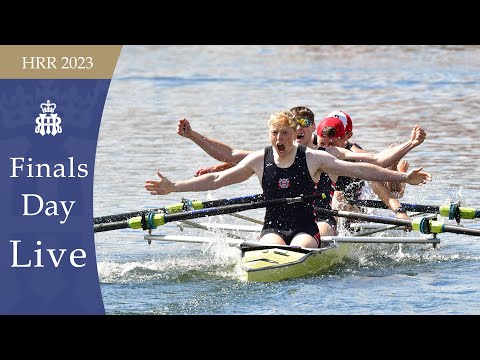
x,y
270,264
267,262
261,262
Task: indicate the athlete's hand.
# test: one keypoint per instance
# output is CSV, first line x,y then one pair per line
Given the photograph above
x,y
183,128
402,215
159,187
418,177
417,136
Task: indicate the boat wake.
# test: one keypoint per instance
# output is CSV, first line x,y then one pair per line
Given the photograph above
x,y
206,261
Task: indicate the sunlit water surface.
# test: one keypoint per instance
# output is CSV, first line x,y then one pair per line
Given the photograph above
x,y
227,93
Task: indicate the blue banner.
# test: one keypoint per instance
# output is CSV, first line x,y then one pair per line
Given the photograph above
x,y
48,137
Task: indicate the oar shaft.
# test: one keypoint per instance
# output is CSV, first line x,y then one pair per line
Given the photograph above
x,y
367,217
153,220
122,224
435,226
451,211
178,207
161,219
122,216
227,209
461,230
409,207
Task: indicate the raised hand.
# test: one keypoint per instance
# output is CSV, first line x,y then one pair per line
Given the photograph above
x,y
159,187
418,177
418,135
183,128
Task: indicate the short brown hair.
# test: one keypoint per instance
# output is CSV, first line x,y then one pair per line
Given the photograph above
x,y
329,131
303,112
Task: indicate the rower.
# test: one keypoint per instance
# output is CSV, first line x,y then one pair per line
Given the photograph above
x,y
305,136
286,169
332,132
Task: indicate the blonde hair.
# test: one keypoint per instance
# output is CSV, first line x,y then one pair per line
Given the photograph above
x,y
283,118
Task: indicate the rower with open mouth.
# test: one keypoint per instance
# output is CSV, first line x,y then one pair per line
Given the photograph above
x,y
287,169
306,135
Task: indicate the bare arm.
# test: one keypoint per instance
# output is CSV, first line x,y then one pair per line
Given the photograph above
x,y
241,172
318,160
386,157
388,198
214,168
384,190
214,148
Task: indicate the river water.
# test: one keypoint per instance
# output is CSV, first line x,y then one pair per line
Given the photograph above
x,y
227,93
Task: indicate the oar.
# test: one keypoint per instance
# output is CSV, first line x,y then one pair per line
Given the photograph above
x,y
452,211
247,218
183,206
424,225
203,227
153,219
390,227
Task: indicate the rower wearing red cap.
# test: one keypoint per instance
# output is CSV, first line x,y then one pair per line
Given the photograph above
x,y
348,189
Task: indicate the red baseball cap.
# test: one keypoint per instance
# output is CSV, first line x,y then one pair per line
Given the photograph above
x,y
333,122
346,119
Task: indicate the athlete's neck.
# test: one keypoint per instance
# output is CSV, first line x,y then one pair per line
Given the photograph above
x,y
286,158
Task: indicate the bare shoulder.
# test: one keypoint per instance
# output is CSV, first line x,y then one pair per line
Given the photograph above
x,y
314,152
253,157
253,162
258,153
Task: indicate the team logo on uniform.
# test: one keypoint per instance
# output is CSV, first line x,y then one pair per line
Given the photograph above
x,y
283,183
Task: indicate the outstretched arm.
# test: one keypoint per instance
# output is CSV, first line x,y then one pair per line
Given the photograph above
x,y
241,172
318,161
214,148
390,192
386,157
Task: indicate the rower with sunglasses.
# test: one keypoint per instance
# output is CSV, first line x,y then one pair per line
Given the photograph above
x,y
305,135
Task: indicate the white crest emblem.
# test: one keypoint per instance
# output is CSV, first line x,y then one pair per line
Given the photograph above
x,y
283,183
48,122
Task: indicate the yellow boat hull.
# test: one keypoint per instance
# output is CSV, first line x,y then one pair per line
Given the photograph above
x,y
270,264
